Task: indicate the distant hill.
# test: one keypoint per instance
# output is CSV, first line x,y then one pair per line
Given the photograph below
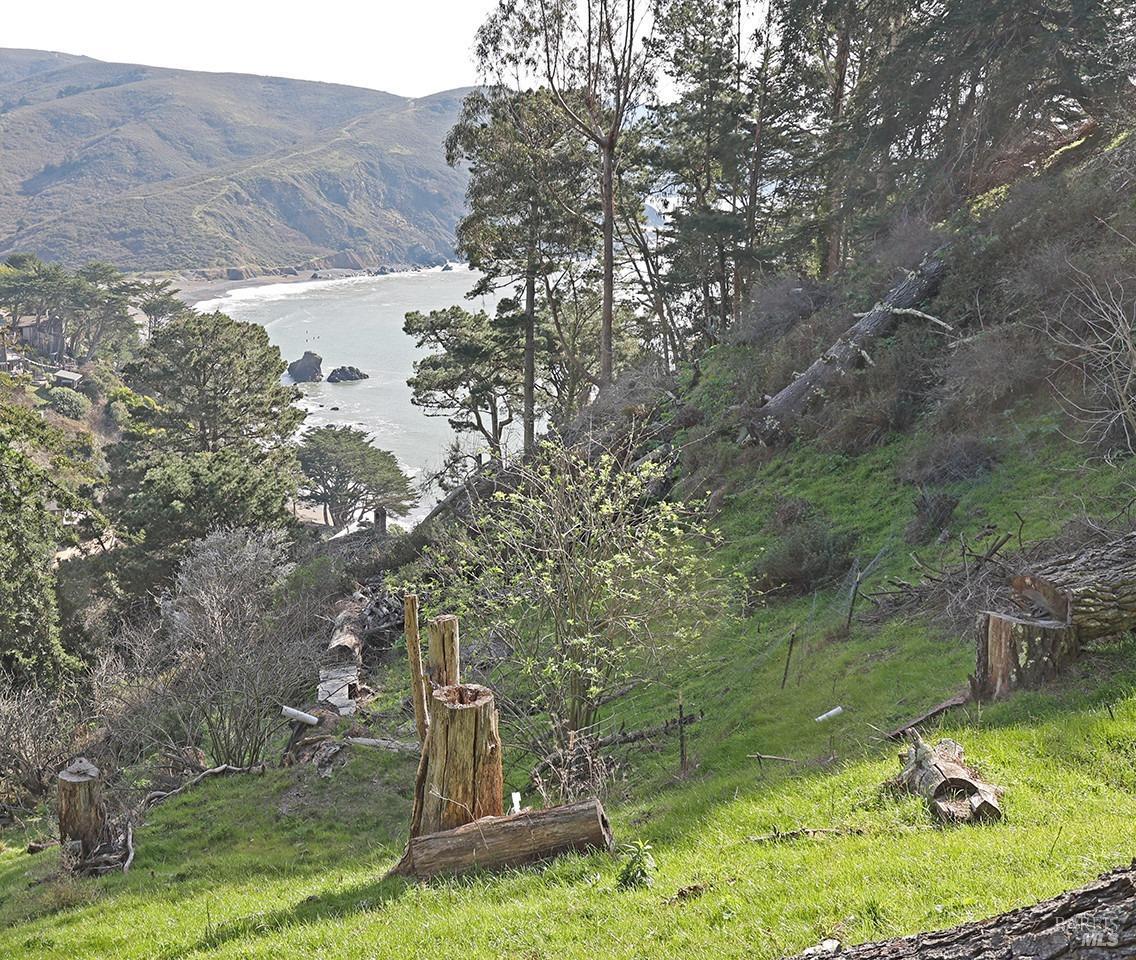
x,y
156,169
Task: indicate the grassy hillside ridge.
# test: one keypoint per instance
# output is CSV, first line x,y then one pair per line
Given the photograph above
x,y
153,168
258,865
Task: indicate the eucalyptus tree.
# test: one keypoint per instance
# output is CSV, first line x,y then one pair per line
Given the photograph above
x,y
594,58
527,200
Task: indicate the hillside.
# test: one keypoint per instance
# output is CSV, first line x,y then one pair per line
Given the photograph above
x,y
151,168
291,862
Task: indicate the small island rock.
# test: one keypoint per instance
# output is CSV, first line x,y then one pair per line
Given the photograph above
x,y
346,374
308,369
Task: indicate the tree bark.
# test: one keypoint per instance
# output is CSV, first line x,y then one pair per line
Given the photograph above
x,y
776,421
1095,922
1018,652
1093,589
607,189
443,652
461,778
82,813
953,792
499,842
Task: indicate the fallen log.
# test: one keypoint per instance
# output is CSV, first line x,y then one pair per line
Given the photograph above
x,y
158,796
953,792
776,421
1095,922
346,643
383,743
1092,589
495,843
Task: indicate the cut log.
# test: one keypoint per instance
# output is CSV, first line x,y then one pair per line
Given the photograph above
x,y
346,644
443,667
1096,922
414,656
462,777
953,792
776,421
495,843
82,813
1093,589
1014,652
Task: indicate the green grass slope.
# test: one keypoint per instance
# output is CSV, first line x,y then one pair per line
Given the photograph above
x,y
288,864
151,168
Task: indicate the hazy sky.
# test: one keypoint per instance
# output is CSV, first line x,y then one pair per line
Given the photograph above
x,y
409,47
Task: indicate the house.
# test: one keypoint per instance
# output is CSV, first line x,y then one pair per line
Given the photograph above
x,y
66,378
36,333
12,363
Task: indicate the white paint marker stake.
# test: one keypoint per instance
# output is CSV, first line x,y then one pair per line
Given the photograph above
x,y
834,712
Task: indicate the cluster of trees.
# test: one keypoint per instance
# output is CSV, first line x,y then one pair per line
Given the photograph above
x,y
83,314
199,434
637,168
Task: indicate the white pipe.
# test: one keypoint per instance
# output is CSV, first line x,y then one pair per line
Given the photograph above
x,y
299,716
834,712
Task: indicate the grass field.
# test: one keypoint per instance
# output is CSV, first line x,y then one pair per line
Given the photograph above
x,y
287,864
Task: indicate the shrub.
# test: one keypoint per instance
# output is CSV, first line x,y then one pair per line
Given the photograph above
x,y
807,554
933,511
949,459
639,866
67,403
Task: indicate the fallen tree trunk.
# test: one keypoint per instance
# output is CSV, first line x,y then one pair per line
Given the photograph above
x,y
346,644
775,422
953,792
1094,922
1093,589
494,843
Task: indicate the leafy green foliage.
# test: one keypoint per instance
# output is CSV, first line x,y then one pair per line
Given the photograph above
x,y
36,482
589,581
68,403
639,866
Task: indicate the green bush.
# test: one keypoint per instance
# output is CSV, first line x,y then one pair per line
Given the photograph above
x,y
807,554
67,403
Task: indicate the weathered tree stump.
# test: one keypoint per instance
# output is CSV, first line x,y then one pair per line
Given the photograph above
x,y
953,792
500,842
460,778
1096,922
444,652
1014,651
82,813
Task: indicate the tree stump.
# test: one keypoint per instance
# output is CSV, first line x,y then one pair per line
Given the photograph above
x,y
460,778
82,813
414,657
1015,652
443,652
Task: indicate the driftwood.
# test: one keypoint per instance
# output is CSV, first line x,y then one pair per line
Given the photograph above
x,y
461,779
775,422
953,792
82,812
494,843
1095,922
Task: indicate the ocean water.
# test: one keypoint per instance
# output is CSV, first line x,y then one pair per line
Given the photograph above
x,y
357,321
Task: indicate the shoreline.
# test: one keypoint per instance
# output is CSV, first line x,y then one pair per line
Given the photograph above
x,y
193,291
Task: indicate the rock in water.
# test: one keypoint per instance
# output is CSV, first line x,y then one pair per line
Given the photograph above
x,y
308,369
345,374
